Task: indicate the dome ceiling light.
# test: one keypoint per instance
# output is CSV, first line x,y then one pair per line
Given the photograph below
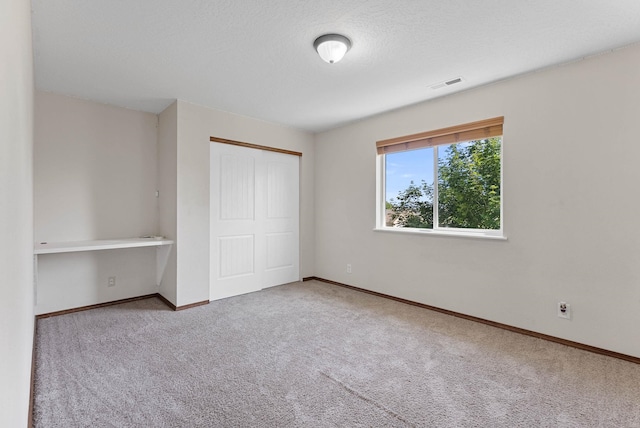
x,y
332,47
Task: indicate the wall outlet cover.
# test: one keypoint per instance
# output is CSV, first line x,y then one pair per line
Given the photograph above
x,y
564,310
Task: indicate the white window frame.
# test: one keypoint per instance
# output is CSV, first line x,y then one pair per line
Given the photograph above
x,y
437,230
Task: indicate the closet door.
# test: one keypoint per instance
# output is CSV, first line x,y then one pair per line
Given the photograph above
x,y
254,219
235,228
281,219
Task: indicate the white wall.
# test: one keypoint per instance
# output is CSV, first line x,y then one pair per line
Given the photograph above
x,y
94,178
16,211
74,280
167,178
571,206
196,125
94,170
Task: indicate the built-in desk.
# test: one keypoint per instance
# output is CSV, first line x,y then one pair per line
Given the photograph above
x,y
100,244
162,245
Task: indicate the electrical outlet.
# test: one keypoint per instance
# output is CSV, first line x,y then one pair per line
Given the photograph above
x,y
112,281
564,310
349,268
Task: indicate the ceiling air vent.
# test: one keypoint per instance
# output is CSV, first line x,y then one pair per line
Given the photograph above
x,y
447,83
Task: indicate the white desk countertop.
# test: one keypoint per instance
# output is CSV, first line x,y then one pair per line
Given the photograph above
x,y
100,244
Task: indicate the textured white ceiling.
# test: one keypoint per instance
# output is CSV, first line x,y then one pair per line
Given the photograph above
x,y
255,57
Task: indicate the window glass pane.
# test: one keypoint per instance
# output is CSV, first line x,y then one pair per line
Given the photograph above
x,y
409,189
469,184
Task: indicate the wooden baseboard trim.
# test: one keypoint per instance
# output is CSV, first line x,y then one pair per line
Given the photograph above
x,y
181,308
166,301
99,305
547,337
310,278
192,305
117,302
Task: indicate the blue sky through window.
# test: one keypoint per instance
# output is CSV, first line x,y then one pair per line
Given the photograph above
x,y
404,167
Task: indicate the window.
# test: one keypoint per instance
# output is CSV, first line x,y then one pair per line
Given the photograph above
x,y
444,181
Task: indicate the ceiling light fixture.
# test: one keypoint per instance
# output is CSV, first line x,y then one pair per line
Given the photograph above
x,y
332,47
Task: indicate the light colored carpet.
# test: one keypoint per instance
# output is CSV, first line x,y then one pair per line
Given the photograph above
x,y
316,355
